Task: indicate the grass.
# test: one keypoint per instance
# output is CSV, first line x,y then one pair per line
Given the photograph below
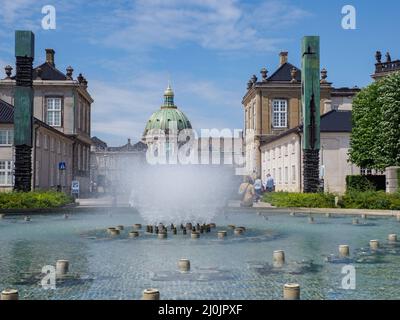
x,y
33,200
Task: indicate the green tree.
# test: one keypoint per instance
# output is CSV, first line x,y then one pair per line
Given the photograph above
x,y
375,137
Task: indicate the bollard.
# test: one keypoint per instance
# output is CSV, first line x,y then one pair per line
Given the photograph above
x,y
278,258
239,231
291,291
151,294
221,234
374,244
392,237
310,219
162,235
137,226
355,221
120,228
344,250
110,229
133,234
114,231
9,294
195,235
184,265
62,267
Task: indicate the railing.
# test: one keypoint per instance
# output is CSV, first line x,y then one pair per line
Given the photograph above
x,y
387,66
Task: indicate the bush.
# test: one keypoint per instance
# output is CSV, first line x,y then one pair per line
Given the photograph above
x,y
371,200
365,182
33,200
308,200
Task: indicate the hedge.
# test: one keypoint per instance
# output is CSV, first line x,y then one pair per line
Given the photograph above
x,y
371,200
33,200
291,199
352,200
365,182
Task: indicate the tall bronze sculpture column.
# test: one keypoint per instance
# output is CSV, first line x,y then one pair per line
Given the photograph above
x,y
310,98
23,112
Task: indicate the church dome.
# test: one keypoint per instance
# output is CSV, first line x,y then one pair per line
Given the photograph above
x,y
168,112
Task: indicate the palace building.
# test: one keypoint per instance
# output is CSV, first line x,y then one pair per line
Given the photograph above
x,y
62,111
272,106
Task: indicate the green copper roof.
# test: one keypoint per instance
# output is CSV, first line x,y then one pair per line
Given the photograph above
x,y
168,112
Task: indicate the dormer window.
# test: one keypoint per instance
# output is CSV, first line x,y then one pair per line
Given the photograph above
x,y
279,113
54,111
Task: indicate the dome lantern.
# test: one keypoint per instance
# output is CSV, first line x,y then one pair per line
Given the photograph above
x,y
169,98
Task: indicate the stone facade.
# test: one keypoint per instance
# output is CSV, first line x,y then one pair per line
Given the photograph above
x,y
281,157
64,104
50,147
273,106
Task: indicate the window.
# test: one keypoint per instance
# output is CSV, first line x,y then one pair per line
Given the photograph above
x,y
365,171
38,139
6,137
58,146
279,113
286,175
46,141
286,149
280,175
279,151
254,115
54,112
293,174
293,148
5,173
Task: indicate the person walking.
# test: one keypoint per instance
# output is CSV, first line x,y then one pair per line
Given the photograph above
x,y
270,183
258,188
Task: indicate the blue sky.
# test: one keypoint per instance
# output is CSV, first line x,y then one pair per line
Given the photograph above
x,y
209,49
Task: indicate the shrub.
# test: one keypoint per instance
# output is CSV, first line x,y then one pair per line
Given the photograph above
x,y
365,182
371,200
309,200
33,200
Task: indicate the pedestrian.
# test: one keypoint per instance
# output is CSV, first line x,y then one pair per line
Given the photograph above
x,y
258,188
247,193
270,183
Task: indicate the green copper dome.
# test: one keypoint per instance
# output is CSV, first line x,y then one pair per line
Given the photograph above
x,y
168,112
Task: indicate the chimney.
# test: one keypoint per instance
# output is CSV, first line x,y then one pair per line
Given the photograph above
x,y
283,57
50,56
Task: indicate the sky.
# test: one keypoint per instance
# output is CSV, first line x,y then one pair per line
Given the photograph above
x,y
208,49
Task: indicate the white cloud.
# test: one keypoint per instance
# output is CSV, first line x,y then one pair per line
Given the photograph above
x,y
224,25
